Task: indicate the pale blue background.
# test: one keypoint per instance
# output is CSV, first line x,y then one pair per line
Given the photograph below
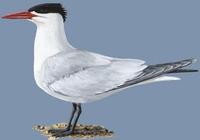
x,y
153,30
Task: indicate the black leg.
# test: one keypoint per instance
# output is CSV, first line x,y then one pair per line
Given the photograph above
x,y
78,113
72,116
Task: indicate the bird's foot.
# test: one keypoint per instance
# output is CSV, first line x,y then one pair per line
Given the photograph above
x,y
60,132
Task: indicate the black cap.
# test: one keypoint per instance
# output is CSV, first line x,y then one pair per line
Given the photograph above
x,y
50,8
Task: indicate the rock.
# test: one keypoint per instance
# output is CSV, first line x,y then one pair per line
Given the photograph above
x,y
81,131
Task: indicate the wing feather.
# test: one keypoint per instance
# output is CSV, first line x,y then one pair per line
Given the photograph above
x,y
92,75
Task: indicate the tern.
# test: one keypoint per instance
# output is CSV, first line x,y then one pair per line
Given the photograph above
x,y
79,76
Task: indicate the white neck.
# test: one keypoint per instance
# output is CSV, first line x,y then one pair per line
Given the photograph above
x,y
50,39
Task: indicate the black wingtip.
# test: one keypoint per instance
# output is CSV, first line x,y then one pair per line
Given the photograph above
x,y
183,70
195,70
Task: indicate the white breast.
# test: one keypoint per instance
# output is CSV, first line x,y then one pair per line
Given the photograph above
x,y
50,39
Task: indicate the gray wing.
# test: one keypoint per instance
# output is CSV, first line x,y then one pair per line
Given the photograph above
x,y
153,71
84,74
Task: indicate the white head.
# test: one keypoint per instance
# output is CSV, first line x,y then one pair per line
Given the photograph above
x,y
42,14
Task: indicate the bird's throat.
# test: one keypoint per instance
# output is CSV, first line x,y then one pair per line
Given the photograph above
x,y
49,40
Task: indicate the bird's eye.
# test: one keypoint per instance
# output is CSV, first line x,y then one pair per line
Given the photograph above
x,y
43,11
